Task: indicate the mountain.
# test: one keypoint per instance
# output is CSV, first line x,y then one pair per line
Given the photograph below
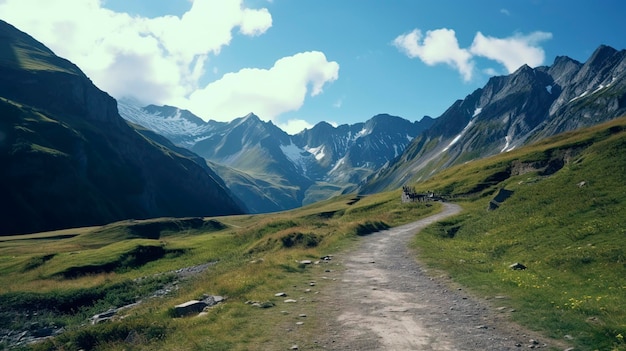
x,y
69,159
514,110
271,170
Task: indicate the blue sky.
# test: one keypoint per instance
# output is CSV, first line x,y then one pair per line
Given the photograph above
x,y
299,62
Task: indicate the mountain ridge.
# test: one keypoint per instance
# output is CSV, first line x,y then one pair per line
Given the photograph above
x,y
70,160
514,110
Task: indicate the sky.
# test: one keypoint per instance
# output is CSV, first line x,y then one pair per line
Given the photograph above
x,y
298,62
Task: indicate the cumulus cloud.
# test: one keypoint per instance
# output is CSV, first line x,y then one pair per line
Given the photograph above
x,y
267,92
438,46
295,126
441,46
151,59
512,52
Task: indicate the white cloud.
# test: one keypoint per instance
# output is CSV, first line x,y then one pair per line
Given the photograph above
x,y
505,12
295,126
151,59
513,51
267,92
438,46
441,46
490,71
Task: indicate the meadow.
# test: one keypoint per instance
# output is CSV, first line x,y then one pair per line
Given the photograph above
x,y
62,278
562,215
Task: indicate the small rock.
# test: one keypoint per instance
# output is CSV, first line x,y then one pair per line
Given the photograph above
x,y
189,307
294,347
517,266
290,301
482,327
267,304
280,294
305,262
302,315
299,323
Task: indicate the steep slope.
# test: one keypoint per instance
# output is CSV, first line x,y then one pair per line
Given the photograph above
x,y
514,110
347,154
272,170
70,160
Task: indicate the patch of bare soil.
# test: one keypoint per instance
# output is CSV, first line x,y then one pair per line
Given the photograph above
x,y
383,299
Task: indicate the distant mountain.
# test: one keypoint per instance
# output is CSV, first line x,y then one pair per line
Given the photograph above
x,y
69,159
272,170
514,110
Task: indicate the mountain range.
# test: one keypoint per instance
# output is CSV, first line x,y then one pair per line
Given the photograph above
x,y
514,110
74,156
271,170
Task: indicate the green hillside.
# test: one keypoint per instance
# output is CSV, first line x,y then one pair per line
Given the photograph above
x,y
564,219
561,214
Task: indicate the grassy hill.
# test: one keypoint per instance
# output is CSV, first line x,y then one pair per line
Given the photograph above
x,y
557,207
563,216
62,278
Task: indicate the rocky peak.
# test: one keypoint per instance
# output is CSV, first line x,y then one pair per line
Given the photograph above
x,y
167,111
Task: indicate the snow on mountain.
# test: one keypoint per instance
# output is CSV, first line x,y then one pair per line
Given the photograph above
x,y
296,155
173,125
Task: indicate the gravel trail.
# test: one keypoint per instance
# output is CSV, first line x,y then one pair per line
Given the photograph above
x,y
383,299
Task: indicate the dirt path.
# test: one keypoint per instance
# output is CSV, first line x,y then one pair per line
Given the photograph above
x,y
382,299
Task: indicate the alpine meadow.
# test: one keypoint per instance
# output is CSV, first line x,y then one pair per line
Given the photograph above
x,y
144,210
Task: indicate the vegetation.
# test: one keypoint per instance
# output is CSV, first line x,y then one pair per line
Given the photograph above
x,y
567,225
562,215
62,278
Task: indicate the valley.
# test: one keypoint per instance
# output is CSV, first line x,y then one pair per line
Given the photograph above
x,y
120,217
573,251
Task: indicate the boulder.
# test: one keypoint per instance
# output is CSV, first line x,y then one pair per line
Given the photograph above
x,y
189,307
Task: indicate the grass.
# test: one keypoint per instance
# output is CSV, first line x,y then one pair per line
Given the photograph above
x,y
571,237
94,269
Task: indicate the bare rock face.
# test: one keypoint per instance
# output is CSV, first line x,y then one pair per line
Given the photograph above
x,y
512,111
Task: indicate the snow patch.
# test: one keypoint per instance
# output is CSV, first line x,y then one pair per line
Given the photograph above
x,y
295,154
363,132
456,138
506,145
340,162
318,152
599,88
477,111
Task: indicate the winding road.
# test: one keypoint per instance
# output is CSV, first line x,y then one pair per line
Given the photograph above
x,y
383,299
